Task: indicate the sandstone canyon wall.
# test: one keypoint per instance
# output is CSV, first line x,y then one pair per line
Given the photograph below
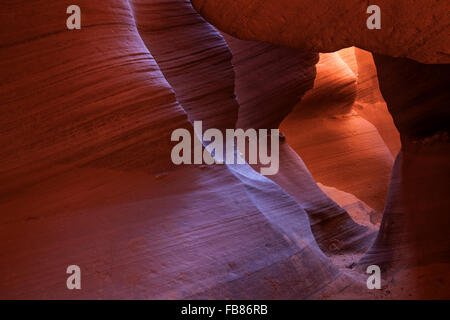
x,y
86,175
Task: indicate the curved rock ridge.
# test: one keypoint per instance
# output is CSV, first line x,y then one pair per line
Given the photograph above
x,y
73,98
409,28
85,144
270,81
193,57
86,176
160,22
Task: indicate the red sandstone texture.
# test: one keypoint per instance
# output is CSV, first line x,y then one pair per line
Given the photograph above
x,y
86,176
410,28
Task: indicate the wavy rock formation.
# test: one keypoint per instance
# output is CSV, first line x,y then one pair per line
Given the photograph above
x,y
409,28
265,97
193,57
88,180
270,80
76,98
340,148
86,175
412,232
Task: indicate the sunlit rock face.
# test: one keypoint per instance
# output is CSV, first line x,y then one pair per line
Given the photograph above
x,y
341,148
413,29
86,175
369,102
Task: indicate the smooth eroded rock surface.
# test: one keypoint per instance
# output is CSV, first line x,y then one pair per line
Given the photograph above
x,y
415,29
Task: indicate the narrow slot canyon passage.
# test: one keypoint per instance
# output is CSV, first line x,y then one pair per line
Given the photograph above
x,y
361,150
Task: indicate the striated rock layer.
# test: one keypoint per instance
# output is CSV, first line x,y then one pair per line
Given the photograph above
x,y
266,96
409,28
416,217
87,180
91,97
193,57
86,176
340,147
